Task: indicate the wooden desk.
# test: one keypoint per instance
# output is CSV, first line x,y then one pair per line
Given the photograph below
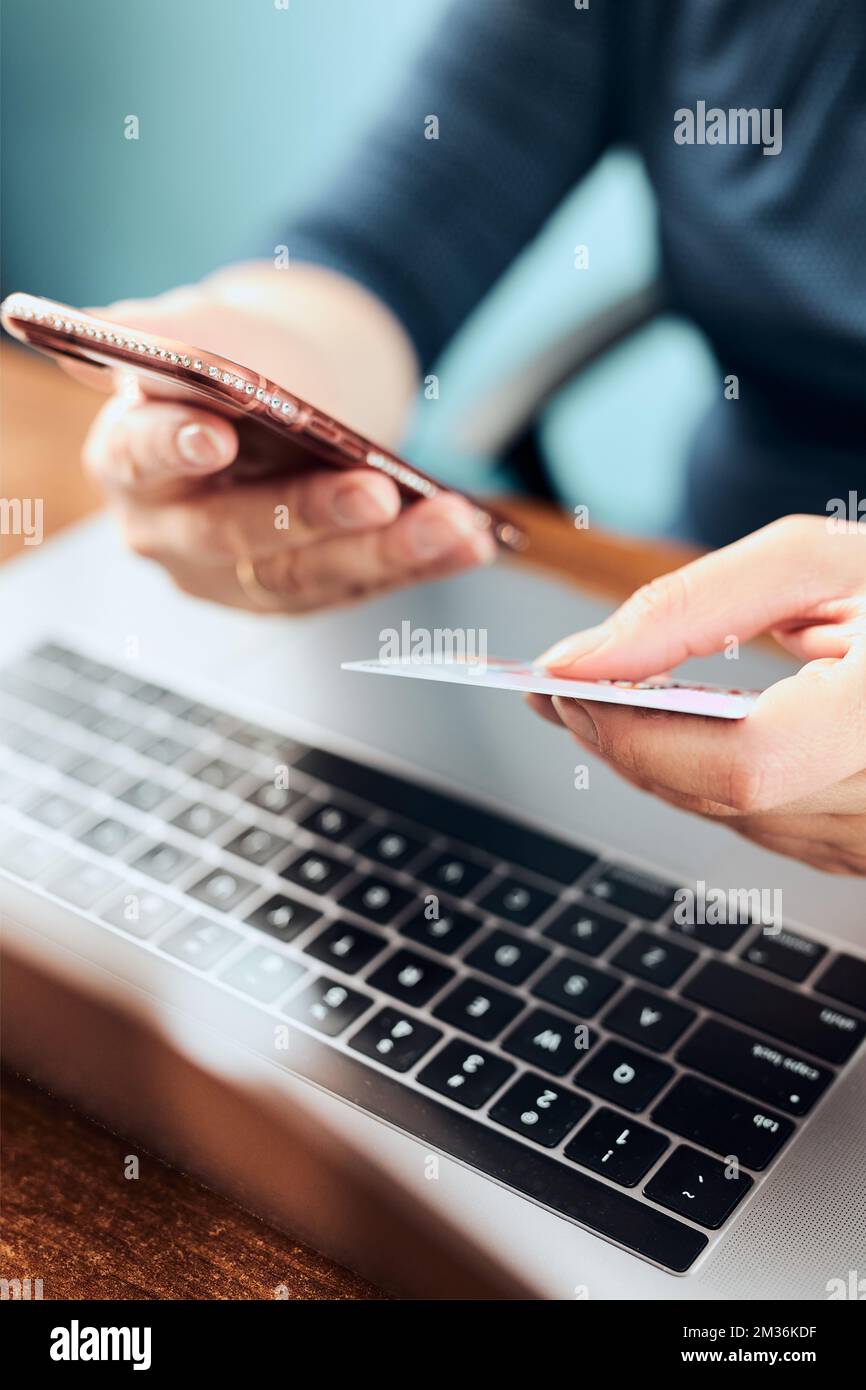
x,y
66,1213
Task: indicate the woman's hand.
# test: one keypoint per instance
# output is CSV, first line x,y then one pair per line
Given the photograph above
x,y
163,463
791,776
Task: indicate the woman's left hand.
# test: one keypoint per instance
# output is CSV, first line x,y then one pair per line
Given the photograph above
x,y
792,775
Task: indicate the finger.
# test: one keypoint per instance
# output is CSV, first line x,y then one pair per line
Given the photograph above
x,y
805,733
429,539
841,800
256,521
138,448
339,571
779,574
831,638
543,705
830,859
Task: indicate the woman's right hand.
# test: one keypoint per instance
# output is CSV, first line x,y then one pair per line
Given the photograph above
x,y
163,464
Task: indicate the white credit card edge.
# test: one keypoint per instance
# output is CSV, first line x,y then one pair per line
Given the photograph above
x,y
674,701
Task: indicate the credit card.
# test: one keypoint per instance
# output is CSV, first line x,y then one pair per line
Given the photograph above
x,y
661,692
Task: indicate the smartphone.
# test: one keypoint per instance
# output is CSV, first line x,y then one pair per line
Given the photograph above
x,y
175,370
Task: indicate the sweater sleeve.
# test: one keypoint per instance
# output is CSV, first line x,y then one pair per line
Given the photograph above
x,y
503,110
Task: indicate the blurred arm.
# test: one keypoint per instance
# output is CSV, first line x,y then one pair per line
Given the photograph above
x,y
523,97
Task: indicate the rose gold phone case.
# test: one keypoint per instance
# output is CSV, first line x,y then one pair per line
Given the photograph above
x,y
226,387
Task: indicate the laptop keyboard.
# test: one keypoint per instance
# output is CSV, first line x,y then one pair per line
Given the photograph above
x,y
509,998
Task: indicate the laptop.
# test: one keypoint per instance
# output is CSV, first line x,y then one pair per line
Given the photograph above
x,y
391,928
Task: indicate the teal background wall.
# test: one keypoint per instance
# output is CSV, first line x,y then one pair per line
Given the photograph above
x,y
244,109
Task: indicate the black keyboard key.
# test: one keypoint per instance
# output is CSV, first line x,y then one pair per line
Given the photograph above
x,y
258,846
410,977
697,1186
845,979
147,692
263,974
20,740
111,727
327,1006
282,917
145,795
222,890
166,863
828,1032
478,1008
57,655
346,947
465,1073
395,1039
121,681
762,1069
93,772
577,988
501,838
40,696
620,1148
140,914
219,773
167,751
456,873
723,1122
653,958
108,836
391,847
271,797
445,933
377,899
619,1074
83,884
332,822
266,742
538,1110
637,894
174,704
201,943
549,1041
201,715
787,954
585,929
506,957
516,901
88,717
649,1019
723,936
198,819
52,810
317,872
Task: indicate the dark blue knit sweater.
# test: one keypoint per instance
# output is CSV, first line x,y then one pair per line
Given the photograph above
x,y
765,252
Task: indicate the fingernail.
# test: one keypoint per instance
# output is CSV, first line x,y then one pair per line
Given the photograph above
x,y
434,536
571,648
200,446
578,719
360,506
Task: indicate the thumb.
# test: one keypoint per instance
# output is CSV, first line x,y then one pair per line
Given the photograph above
x,y
775,576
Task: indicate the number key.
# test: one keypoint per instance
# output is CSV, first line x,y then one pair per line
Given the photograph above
x,y
465,1073
506,957
539,1111
619,1148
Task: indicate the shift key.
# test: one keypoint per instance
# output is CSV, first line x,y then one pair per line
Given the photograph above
x,y
819,1028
